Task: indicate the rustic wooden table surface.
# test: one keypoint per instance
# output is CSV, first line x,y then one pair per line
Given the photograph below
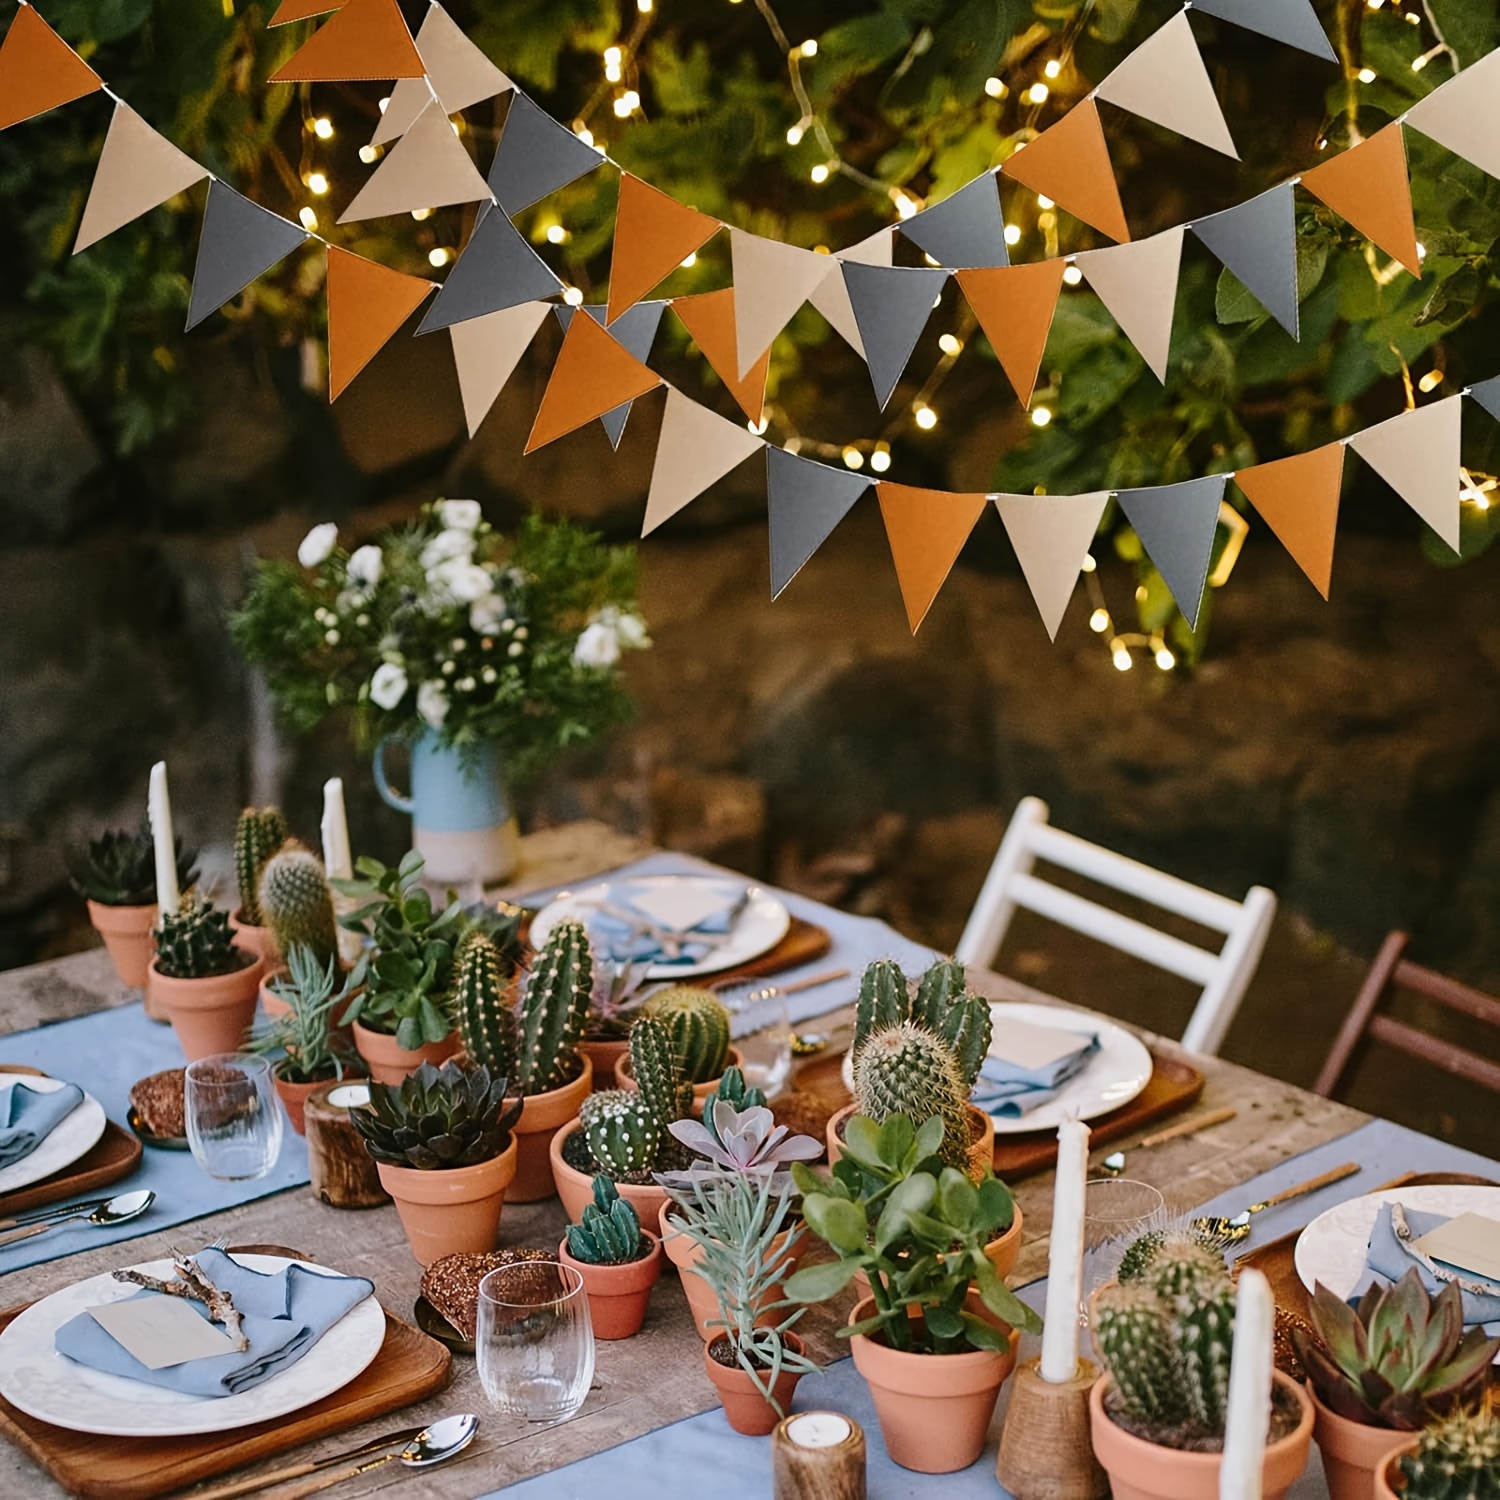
x,y
656,1377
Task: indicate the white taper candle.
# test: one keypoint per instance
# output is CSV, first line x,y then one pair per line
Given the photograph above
x,y
159,811
1065,1255
335,830
1249,1416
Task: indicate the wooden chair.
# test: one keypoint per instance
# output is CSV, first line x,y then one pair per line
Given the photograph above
x,y
1224,975
1391,971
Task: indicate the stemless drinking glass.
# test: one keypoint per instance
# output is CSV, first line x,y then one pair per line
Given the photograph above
x,y
535,1344
1115,1211
233,1117
762,1030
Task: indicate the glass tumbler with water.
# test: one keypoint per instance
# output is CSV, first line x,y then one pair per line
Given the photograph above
x,y
535,1344
234,1119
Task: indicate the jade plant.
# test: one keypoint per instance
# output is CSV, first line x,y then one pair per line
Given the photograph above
x,y
626,1132
1457,1458
195,942
119,868
315,991
258,834
553,1009
609,1233
699,1024
438,1118
295,902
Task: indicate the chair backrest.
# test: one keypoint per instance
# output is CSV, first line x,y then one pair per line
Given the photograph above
x,y
1223,975
1391,971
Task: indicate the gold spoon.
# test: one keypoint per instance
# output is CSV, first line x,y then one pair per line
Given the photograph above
x,y
1232,1230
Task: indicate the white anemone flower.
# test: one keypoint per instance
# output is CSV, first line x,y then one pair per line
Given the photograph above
x,y
388,685
317,544
460,581
445,546
432,704
460,515
598,646
365,566
486,614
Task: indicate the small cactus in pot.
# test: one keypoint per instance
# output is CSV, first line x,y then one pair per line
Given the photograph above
x,y
554,1009
195,942
907,1070
487,1020
699,1026
206,985
609,1233
295,902
259,833
1456,1459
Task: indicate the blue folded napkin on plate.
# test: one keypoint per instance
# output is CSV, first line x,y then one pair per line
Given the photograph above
x,y
284,1314
1391,1258
623,943
28,1117
1007,1090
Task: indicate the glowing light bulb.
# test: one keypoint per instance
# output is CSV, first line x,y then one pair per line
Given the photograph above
x,y
690,262
1419,63
322,127
557,235
613,73
926,418
1040,417
1421,250
1043,201
1140,593
1367,75
1052,69
809,48
1099,621
794,136
880,460
1122,659
907,207
1038,93
422,213
309,219
758,428
385,104
645,6
572,296
1072,275
950,344
853,458
1164,659
584,134
995,88
439,256
369,154
1046,221
613,57
317,182
1482,502
1430,381
1088,563
819,173
1012,234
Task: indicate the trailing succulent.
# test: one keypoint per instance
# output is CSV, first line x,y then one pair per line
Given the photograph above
x,y
258,834
315,991
195,942
294,901
438,1118
610,1231
1456,1459
699,1024
627,1130
119,868
554,1010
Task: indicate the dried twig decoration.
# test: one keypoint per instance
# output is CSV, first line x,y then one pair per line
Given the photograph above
x,y
196,1287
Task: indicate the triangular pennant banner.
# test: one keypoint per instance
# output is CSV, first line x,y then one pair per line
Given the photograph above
x,y
1417,455
1051,535
1368,186
427,168
594,374
831,296
636,329
487,349
1464,114
1257,240
1298,498
239,241
497,269
536,156
891,307
654,234
696,448
1069,163
137,170
926,530
804,501
38,70
771,281
458,72
1164,81
965,229
1291,21
302,10
1177,524
709,320
1014,305
366,39
1137,283
367,303
1487,394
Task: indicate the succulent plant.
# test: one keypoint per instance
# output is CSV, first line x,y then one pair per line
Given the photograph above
x,y
1456,1459
730,1089
942,1005
740,1141
295,902
315,992
906,1069
1400,1358
119,868
610,1231
438,1118
486,1018
259,833
699,1025
195,942
554,1010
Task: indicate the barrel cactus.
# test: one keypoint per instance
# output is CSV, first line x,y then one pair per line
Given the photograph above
x,y
195,942
623,1134
486,1019
259,833
1456,1459
554,1010
699,1025
658,1076
297,905
906,1070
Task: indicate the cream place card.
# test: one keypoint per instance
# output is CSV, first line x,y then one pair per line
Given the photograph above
x,y
679,908
161,1331
1470,1242
1032,1047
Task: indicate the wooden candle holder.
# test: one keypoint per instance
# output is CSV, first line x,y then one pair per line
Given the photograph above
x,y
1046,1452
343,1173
818,1455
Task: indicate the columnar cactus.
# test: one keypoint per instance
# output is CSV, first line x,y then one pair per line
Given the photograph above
x,y
1134,1337
555,1009
624,1135
1203,1335
883,1000
259,833
296,903
906,1070
699,1025
653,1063
195,942
1457,1459
486,1019
944,1005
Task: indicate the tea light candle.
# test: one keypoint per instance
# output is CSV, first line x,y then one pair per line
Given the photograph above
x,y
335,831
159,811
1065,1255
1248,1419
818,1455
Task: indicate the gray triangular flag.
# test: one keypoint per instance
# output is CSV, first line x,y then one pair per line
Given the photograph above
x,y
891,306
497,269
1177,524
536,156
805,501
1289,21
1258,242
966,229
240,241
1487,394
636,329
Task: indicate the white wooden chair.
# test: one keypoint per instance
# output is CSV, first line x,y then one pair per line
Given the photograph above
x,y
1010,883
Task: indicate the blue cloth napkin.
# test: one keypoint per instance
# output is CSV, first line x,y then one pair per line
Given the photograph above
x,y
613,935
1009,1091
284,1314
1390,1259
28,1117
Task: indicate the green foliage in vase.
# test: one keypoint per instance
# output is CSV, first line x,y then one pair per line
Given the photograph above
x,y
296,903
486,1018
1457,1458
609,1234
306,1035
258,834
906,1070
554,1009
699,1024
438,1118
195,941
119,868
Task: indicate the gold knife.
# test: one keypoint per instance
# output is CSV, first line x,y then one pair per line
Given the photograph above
x,y
312,1466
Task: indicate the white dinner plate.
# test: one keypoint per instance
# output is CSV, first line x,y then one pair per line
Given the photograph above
x,y
53,1388
1332,1248
76,1135
758,928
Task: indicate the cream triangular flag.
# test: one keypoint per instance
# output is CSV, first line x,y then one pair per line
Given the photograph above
x,y
1464,114
485,351
137,170
460,75
696,447
1052,535
1164,81
771,281
1417,455
832,297
1137,283
427,168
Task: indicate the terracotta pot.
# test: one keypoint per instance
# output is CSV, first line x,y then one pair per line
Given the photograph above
x,y
981,1151
604,1056
1002,1252
209,1015
934,1409
617,1294
293,1097
389,1063
1389,1482
542,1116
577,1190
256,940
454,1211
1353,1452
1141,1470
270,1003
625,1079
748,1411
126,931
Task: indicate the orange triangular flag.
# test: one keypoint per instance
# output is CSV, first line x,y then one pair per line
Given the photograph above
x,y
38,70
366,39
927,530
1069,163
654,234
366,305
594,374
1014,305
1298,498
300,10
709,318
1368,186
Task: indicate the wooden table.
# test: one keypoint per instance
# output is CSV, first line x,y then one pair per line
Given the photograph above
x,y
657,1377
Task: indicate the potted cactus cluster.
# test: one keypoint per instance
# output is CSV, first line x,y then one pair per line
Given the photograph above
x,y
619,1261
259,833
206,984
1457,1458
699,1024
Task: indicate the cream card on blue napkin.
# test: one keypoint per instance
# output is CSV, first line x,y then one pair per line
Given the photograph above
x,y
161,1331
1469,1242
679,908
1031,1047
